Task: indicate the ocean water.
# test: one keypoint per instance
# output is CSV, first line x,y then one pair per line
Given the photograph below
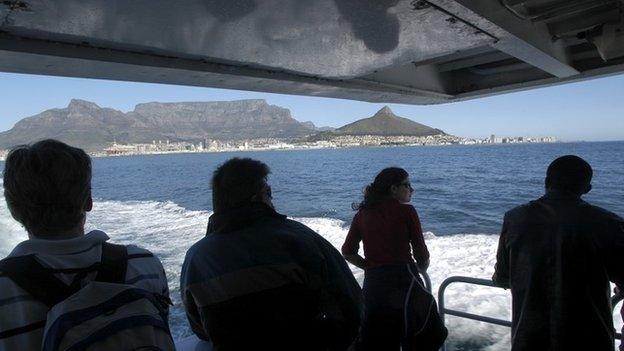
x,y
162,202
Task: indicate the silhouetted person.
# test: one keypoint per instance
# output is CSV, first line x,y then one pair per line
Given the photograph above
x,y
394,294
259,281
558,254
47,186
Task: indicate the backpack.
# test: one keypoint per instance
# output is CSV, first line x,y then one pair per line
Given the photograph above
x,y
427,327
105,314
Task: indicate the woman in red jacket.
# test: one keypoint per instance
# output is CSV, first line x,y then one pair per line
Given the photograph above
x,y
387,225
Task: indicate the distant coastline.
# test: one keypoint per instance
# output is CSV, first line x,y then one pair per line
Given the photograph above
x,y
299,147
268,144
221,126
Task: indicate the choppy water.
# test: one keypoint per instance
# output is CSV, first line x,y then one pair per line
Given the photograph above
x,y
163,203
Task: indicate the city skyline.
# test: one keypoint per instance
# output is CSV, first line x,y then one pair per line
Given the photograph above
x,y
588,110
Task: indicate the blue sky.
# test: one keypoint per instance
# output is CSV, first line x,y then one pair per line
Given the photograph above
x,y
590,110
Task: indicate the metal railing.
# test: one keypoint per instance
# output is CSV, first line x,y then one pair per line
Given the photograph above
x,y
485,282
614,301
444,311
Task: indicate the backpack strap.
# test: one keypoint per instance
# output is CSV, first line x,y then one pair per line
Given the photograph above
x,y
39,281
114,264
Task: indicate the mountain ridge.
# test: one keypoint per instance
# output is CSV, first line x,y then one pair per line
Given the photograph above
x,y
87,125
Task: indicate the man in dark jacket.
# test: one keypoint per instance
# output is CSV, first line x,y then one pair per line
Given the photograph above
x,y
260,281
558,254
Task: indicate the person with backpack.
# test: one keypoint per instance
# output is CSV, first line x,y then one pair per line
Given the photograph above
x,y
399,313
259,281
64,288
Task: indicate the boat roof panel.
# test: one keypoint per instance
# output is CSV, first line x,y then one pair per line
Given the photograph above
x,y
405,51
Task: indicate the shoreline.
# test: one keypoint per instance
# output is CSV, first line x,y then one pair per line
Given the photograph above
x,y
295,148
99,155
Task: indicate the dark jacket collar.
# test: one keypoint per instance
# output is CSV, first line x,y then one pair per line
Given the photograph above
x,y
552,194
240,217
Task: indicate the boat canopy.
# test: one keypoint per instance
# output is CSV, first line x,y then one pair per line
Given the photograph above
x,y
396,51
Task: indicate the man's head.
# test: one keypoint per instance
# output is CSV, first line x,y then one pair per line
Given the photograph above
x,y
47,186
240,181
569,173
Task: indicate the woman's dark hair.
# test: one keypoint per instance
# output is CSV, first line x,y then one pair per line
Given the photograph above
x,y
47,186
379,189
236,181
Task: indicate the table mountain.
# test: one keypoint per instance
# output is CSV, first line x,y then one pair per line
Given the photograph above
x,y
312,126
89,126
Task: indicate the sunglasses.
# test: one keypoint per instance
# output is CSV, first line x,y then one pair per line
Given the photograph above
x,y
407,185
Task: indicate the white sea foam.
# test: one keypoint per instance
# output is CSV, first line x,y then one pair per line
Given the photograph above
x,y
169,230
164,228
11,232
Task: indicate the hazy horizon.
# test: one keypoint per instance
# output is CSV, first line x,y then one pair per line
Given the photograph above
x,y
582,111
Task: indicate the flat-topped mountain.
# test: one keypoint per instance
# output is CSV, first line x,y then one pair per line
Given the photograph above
x,y
386,123
310,125
89,126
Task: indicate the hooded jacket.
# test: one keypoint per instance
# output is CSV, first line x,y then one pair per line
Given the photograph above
x,y
558,254
258,280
